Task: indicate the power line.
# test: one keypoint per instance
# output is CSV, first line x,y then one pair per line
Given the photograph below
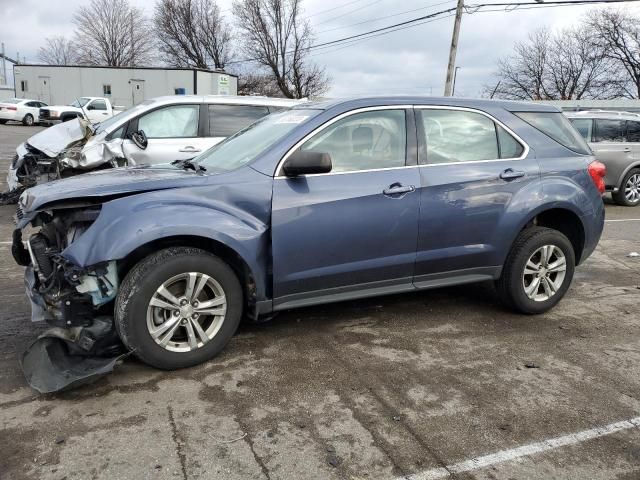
x,y
385,17
333,8
348,13
469,8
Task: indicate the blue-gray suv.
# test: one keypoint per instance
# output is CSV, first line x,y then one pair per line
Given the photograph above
x,y
325,202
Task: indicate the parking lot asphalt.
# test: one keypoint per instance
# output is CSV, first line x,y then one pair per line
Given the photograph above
x,y
437,384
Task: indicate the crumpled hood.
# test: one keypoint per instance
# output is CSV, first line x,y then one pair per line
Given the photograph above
x,y
106,183
55,139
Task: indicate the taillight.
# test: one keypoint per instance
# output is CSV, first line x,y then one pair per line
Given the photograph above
x,y
597,171
11,108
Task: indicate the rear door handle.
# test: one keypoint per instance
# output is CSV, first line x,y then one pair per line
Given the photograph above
x,y
189,149
627,150
510,174
398,189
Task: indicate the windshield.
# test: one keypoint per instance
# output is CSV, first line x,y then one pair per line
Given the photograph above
x,y
80,102
246,145
117,118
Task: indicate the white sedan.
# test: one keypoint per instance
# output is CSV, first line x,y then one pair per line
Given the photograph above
x,y
20,110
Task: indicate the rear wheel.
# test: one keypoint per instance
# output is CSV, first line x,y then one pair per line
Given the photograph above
x,y
629,192
538,270
28,120
178,307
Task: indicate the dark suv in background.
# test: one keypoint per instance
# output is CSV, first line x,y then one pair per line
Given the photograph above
x,y
614,138
325,202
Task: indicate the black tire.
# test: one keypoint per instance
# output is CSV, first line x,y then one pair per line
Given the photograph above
x,y
141,283
2,122
620,196
28,120
510,285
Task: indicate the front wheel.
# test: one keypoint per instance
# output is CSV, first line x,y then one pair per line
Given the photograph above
x,y
629,192
178,307
538,270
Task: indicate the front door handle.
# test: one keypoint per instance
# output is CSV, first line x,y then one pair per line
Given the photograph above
x,y
189,149
398,189
510,174
627,150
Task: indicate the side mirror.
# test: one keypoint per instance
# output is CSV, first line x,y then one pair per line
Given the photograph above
x,y
139,138
306,162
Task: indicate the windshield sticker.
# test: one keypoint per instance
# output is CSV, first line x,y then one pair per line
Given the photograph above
x,y
292,118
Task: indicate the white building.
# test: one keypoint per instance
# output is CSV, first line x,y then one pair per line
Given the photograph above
x,y
124,86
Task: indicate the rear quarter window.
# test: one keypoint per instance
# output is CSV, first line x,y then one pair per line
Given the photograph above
x,y
557,127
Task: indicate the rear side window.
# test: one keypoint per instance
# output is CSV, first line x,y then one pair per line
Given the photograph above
x,y
459,136
633,131
584,127
558,127
509,146
225,120
609,130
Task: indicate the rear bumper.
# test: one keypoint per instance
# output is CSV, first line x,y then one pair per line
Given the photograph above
x,y
593,226
10,116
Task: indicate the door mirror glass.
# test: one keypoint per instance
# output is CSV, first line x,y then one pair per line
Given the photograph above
x,y
307,162
139,138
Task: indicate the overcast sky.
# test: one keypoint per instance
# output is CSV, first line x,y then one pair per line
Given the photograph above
x,y
409,61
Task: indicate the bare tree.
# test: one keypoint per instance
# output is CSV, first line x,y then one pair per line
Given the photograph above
x,y
563,66
192,33
251,83
58,50
618,34
278,39
113,33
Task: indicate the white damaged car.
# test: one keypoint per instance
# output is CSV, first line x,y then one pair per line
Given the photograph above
x,y
156,131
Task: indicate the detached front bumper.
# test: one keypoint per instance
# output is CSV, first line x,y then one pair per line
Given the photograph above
x,y
82,345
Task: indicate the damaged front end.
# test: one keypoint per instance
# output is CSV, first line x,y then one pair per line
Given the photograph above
x,y
59,152
77,303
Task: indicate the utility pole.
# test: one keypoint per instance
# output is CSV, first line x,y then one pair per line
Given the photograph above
x,y
454,49
455,76
4,67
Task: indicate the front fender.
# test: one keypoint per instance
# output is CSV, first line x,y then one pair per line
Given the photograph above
x,y
120,229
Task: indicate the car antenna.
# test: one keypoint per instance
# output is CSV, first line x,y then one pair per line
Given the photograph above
x,y
86,115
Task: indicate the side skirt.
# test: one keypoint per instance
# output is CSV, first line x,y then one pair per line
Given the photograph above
x,y
375,289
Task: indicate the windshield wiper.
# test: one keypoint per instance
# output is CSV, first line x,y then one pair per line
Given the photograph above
x,y
189,165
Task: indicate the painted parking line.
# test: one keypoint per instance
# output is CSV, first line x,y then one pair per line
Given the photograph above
x,y
524,451
624,220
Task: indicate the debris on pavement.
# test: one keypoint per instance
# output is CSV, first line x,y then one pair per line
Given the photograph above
x,y
633,254
531,365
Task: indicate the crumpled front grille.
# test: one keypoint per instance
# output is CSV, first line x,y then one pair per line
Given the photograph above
x,y
43,114
19,212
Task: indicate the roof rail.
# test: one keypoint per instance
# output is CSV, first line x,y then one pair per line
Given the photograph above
x,y
619,113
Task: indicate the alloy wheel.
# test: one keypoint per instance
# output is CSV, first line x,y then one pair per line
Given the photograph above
x,y
186,312
632,188
544,273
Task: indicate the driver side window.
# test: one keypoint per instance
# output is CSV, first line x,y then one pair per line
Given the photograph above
x,y
363,141
179,121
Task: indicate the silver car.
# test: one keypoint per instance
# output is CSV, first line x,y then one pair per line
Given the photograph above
x,y
160,130
614,138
